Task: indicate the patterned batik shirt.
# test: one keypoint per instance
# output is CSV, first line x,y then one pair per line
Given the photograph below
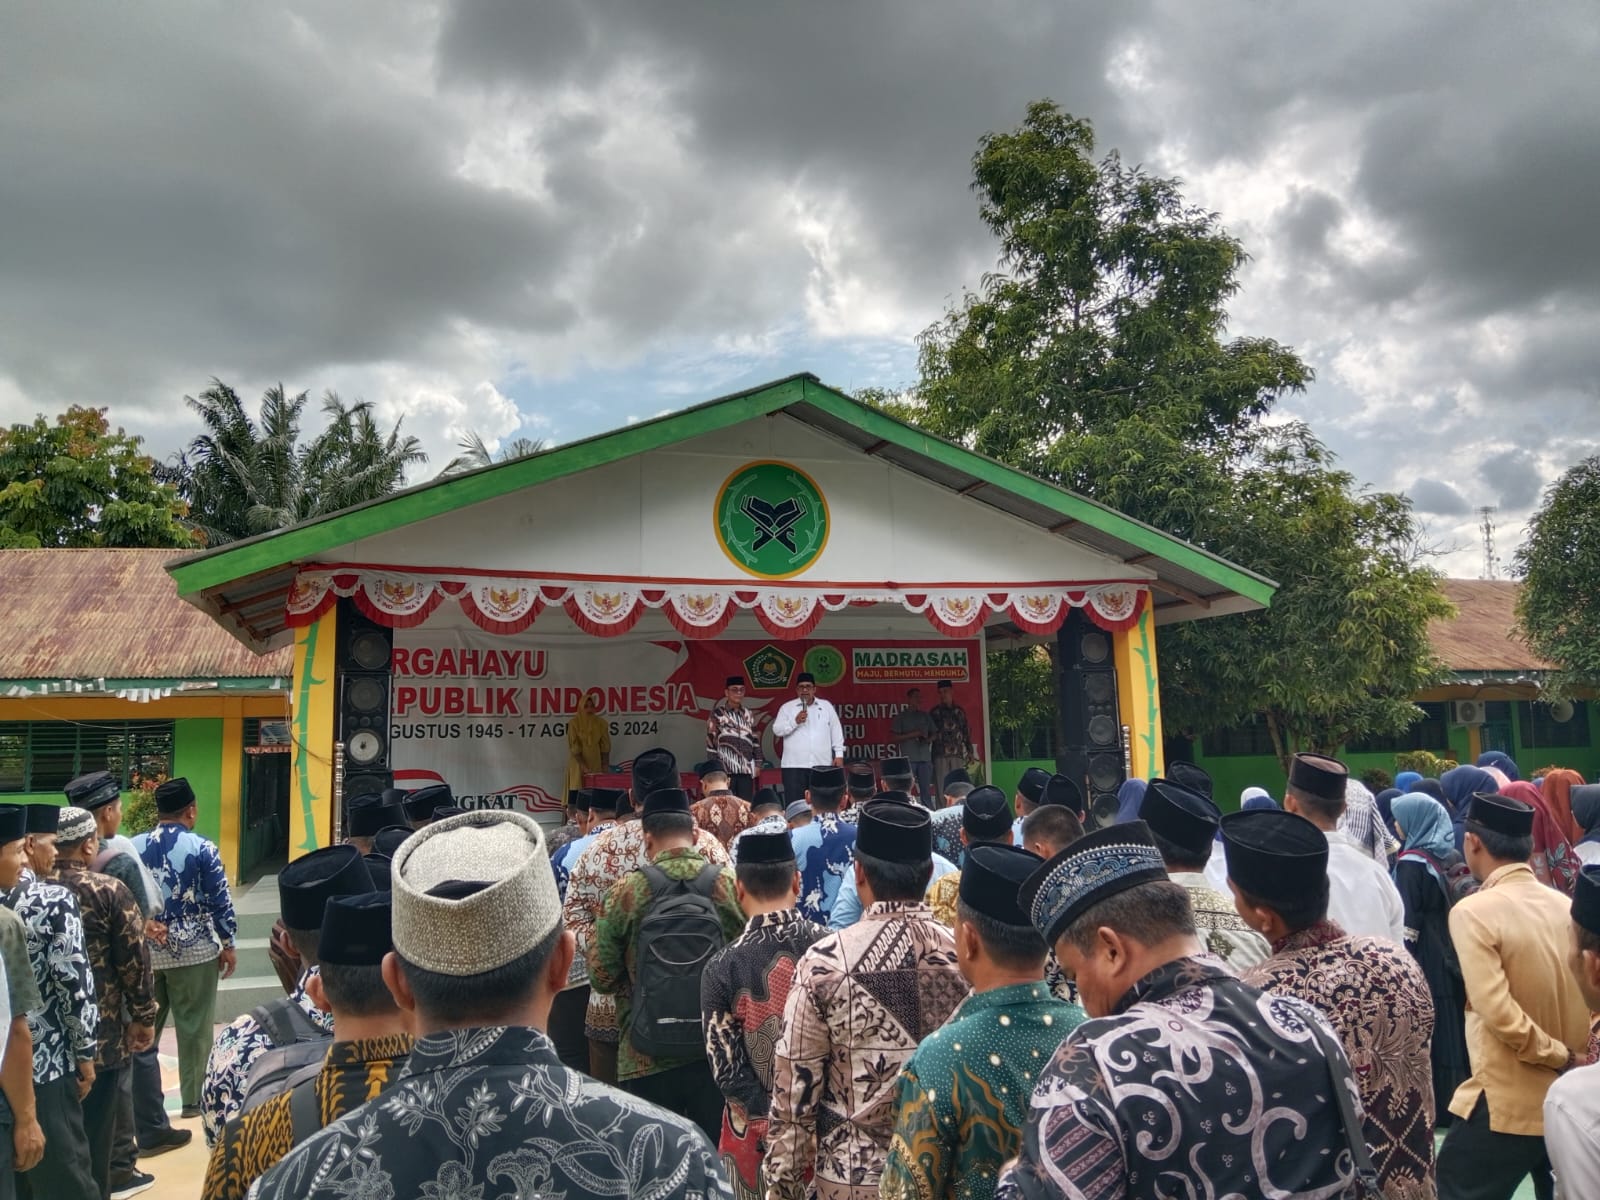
x,y
233,1054
775,823
823,851
113,936
195,903
951,736
63,1028
613,854
1219,924
731,737
943,893
742,997
612,967
862,999
490,1113
558,840
724,816
1197,1085
963,1097
1376,998
946,826
22,990
561,861
353,1073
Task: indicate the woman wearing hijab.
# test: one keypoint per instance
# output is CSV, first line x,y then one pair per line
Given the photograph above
x,y
1458,784
1384,799
1129,796
1586,812
588,742
1431,877
1216,871
1553,861
1502,762
1557,793
1407,781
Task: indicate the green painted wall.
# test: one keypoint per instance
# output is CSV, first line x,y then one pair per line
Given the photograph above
x,y
197,756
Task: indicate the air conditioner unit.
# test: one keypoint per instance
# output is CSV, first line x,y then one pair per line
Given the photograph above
x,y
1466,712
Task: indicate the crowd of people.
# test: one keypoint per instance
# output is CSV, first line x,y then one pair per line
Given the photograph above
x,y
860,990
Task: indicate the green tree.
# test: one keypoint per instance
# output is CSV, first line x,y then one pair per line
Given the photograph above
x,y
475,453
245,476
1559,560
75,483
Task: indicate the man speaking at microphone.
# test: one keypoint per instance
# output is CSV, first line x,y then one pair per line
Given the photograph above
x,y
812,736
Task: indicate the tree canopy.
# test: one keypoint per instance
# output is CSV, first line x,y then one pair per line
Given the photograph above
x,y
1559,606
74,483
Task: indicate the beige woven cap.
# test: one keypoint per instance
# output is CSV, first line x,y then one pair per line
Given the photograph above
x,y
489,928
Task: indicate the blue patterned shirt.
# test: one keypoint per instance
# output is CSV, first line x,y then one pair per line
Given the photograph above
x,y
567,857
822,849
196,906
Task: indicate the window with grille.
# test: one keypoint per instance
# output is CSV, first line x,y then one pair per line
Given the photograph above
x,y
1431,732
1249,740
43,756
1542,726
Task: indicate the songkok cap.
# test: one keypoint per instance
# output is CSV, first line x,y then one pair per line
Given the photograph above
x,y
174,795
14,823
804,677
797,808
1180,816
944,683
665,800
991,881
356,930
734,681
447,810
473,892
1187,775
1097,866
896,768
1061,790
307,883
422,803
955,776
75,825
652,769
1586,899
378,866
826,777
369,813
986,812
395,795
895,831
768,797
388,841
763,846
1032,784
859,777
93,790
896,795
1499,814
1319,775
1274,854
580,799
607,799
43,818
711,766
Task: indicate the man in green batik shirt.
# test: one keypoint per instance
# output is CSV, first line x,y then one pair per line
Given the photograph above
x,y
963,1097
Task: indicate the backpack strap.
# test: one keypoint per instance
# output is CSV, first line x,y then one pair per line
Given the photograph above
x,y
660,882
705,883
284,1022
304,1120
1355,1134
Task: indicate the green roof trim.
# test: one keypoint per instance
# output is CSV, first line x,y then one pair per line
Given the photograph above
x,y
270,551
92,688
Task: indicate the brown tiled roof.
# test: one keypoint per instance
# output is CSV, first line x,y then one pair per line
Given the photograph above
x,y
1482,635
113,614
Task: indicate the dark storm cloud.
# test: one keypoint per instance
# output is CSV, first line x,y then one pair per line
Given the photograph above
x,y
1440,499
1514,476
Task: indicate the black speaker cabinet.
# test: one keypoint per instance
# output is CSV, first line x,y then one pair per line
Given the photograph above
x,y
1091,724
364,654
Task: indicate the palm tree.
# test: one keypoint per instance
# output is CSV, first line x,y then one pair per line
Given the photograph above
x,y
243,477
475,453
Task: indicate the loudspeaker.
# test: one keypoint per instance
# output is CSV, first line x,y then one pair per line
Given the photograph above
x,y
363,655
1091,726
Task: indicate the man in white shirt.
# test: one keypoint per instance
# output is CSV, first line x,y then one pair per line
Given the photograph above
x,y
1572,1105
812,736
1362,899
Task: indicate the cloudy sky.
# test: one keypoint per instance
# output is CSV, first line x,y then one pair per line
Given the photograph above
x,y
542,219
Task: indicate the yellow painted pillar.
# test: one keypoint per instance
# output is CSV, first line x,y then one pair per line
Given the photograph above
x,y
311,709
1139,693
1474,742
231,829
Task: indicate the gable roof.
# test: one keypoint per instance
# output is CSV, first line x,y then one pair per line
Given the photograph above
x,y
243,581
1482,635
113,615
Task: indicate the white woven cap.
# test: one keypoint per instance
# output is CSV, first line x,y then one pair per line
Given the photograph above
x,y
491,927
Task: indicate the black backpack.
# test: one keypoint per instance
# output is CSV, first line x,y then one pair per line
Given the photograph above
x,y
680,930
296,1045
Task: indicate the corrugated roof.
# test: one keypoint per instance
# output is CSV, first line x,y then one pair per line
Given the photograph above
x,y
1482,636
115,614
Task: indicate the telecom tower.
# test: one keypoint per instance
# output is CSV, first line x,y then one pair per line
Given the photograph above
x,y
1491,562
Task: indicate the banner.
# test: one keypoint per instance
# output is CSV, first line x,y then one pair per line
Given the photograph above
x,y
488,714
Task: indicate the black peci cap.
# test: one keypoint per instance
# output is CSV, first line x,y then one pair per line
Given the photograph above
x,y
422,804
94,790
1272,854
1181,816
762,846
43,818
665,800
1319,775
895,831
307,883
13,823
991,882
357,930
986,812
1504,815
368,813
1187,775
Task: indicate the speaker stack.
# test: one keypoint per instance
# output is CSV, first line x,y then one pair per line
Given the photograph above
x,y
1091,726
364,653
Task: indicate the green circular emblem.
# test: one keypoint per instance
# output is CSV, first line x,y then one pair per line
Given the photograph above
x,y
771,520
826,663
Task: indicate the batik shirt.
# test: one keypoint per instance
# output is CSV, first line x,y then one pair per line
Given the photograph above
x,y
847,908
22,990
946,826
353,1073
723,816
489,1113
113,935
235,1051
943,893
561,862
963,1097
63,1028
1193,1084
823,851
613,854
612,967
731,737
862,999
1219,924
558,840
1377,1000
196,906
774,823
951,737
